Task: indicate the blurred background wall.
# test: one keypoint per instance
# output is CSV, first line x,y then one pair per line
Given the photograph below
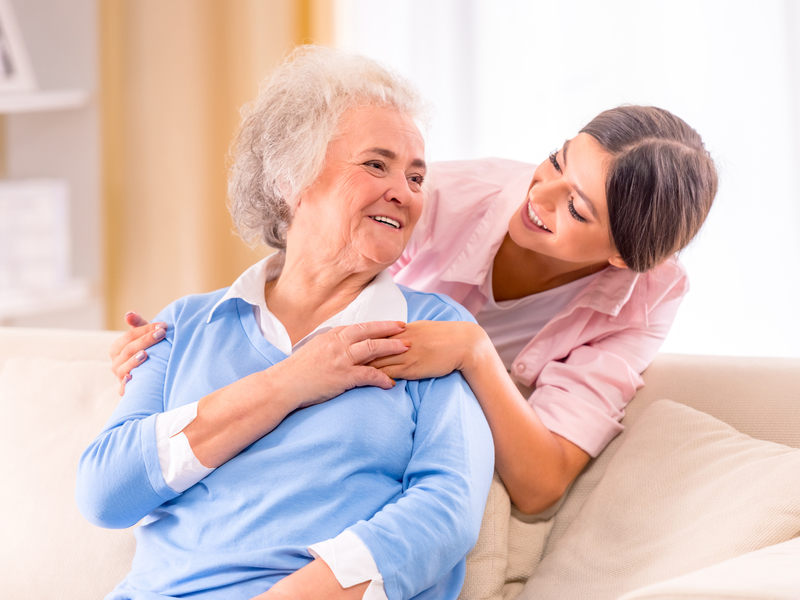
x,y
174,76
515,78
147,153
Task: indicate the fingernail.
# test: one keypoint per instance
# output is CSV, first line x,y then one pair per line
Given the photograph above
x,y
159,334
401,324
126,379
140,356
130,312
406,343
394,383
161,326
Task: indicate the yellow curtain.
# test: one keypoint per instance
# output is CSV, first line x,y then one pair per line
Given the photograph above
x,y
174,76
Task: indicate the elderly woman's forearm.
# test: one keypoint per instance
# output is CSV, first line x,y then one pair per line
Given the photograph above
x,y
230,419
315,580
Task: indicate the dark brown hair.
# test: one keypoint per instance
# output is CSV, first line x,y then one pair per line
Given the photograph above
x,y
661,182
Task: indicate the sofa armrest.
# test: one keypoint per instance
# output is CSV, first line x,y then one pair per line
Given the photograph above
x,y
772,573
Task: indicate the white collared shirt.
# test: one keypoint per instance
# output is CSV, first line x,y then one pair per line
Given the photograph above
x,y
381,300
346,555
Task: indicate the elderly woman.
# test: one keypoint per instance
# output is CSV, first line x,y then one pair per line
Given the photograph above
x,y
245,481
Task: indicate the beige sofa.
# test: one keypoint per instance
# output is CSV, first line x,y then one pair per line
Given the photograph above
x,y
688,502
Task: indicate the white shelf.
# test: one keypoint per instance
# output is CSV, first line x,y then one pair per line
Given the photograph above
x,y
22,102
23,303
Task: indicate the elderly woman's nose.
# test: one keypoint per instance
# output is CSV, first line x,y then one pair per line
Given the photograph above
x,y
399,191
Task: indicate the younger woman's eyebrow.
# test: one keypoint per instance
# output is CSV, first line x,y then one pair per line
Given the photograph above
x,y
578,190
417,162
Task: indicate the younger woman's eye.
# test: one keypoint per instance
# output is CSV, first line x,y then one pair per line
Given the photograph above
x,y
554,161
574,212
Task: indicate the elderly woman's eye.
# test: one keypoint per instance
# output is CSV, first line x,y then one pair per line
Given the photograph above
x,y
417,179
375,164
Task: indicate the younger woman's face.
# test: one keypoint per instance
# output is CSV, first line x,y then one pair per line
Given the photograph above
x,y
565,214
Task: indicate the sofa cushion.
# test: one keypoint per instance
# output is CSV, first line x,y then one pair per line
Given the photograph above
x,y
772,573
684,491
757,396
509,547
51,410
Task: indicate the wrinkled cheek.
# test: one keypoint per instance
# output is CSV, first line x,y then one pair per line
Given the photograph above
x,y
414,215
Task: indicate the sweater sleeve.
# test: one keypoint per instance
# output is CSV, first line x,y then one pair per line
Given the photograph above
x,y
417,540
119,474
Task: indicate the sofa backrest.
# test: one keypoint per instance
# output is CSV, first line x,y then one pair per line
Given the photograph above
x,y
62,344
56,392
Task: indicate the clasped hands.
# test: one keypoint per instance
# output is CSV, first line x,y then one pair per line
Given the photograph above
x,y
365,354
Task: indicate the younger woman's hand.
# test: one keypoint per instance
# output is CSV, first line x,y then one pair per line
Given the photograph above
x,y
128,351
336,361
437,348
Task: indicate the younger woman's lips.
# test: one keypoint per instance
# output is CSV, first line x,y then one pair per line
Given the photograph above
x,y
526,220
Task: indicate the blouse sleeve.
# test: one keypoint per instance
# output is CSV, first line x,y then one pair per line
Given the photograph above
x,y
583,397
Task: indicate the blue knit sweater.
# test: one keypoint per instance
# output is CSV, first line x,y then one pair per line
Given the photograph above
x,y
407,470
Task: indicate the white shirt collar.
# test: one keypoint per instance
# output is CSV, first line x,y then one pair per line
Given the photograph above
x,y
381,300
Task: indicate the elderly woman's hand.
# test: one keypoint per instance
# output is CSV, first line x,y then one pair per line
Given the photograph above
x,y
336,361
233,417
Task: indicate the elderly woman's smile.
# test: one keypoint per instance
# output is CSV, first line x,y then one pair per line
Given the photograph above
x,y
365,203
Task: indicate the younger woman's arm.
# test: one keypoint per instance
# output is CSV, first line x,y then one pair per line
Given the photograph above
x,y
584,395
535,464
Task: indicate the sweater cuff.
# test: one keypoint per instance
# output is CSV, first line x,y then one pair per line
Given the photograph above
x,y
351,562
179,465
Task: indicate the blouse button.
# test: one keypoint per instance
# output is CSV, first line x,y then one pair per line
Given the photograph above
x,y
519,368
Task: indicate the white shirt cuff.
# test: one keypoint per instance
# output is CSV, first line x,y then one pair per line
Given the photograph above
x,y
179,465
351,562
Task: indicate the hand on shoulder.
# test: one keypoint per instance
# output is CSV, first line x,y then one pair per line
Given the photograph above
x,y
129,350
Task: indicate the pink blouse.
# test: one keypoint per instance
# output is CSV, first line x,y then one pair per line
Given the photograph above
x,y
585,363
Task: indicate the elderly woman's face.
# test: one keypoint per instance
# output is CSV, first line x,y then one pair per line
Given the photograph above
x,y
364,205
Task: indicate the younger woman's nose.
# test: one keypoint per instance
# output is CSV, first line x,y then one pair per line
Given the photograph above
x,y
546,198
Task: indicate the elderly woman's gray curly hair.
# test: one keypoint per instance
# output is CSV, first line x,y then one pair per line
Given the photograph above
x,y
281,145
